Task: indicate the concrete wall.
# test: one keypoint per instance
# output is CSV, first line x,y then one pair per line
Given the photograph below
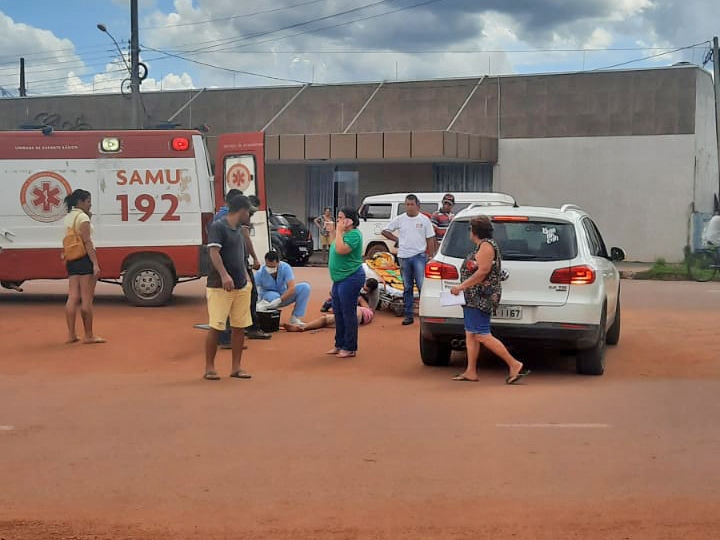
x,y
706,151
641,102
637,189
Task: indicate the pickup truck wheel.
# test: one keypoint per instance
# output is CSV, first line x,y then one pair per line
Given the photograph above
x,y
434,353
148,283
592,361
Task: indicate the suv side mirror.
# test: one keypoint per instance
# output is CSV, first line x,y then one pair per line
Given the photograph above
x,y
617,254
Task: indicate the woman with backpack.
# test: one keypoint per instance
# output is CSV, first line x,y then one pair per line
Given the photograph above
x,y
82,265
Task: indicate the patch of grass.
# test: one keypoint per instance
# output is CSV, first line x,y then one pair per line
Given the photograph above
x,y
665,271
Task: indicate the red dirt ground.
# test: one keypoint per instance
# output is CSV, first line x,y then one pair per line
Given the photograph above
x,y
125,441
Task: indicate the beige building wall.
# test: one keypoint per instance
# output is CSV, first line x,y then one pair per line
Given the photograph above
x,y
636,188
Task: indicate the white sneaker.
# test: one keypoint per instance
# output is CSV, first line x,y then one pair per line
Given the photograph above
x,y
297,321
275,303
262,305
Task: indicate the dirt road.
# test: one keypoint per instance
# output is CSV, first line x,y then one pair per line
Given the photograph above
x,y
125,441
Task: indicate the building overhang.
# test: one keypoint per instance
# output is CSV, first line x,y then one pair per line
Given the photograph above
x,y
382,146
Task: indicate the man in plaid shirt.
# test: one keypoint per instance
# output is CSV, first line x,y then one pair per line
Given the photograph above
x,y
441,218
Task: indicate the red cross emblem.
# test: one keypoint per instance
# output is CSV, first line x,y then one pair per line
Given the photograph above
x,y
41,196
46,196
239,177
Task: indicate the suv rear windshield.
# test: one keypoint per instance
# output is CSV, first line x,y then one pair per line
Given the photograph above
x,y
518,240
293,220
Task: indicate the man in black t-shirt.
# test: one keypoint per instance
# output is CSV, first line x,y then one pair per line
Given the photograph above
x,y
228,288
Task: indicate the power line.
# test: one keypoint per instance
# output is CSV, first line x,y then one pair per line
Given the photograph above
x,y
246,15
440,51
242,71
652,56
426,2
227,41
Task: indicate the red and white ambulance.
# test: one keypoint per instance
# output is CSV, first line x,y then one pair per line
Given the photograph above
x,y
153,195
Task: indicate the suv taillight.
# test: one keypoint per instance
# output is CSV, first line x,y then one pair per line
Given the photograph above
x,y
573,275
205,221
284,231
438,270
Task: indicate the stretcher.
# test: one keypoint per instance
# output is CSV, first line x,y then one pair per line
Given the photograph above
x,y
385,270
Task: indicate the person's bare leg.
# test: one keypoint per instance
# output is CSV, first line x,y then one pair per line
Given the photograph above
x,y
321,322
237,341
71,307
497,347
87,294
211,344
473,351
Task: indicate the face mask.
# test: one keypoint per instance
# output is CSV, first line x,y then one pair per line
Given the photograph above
x,y
272,271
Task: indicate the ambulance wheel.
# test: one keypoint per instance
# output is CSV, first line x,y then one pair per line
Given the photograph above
x,y
148,283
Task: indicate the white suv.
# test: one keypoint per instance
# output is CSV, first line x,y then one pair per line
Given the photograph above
x,y
561,289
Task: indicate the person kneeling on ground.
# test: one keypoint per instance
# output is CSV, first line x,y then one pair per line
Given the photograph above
x,y
277,288
367,303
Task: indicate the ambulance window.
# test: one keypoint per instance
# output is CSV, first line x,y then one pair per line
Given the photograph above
x,y
240,174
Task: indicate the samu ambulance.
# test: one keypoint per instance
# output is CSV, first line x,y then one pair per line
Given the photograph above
x,y
153,195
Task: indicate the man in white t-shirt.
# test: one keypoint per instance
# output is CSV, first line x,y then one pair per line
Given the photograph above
x,y
711,234
416,242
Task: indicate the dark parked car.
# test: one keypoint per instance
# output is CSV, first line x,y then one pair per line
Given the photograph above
x,y
290,238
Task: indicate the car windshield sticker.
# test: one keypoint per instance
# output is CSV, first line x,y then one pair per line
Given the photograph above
x,y
550,235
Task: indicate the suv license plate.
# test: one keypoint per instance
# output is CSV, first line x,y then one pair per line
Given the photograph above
x,y
303,249
508,312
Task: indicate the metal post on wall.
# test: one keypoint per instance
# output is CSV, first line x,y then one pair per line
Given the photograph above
x,y
716,76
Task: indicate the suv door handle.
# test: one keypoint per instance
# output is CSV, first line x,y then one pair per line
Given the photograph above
x,y
7,234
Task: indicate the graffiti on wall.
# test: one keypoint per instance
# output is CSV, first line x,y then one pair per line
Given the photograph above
x,y
58,122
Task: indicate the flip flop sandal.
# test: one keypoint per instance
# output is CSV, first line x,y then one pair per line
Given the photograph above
x,y
512,379
94,341
463,378
211,376
345,354
241,375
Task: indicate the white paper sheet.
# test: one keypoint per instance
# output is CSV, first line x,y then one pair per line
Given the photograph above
x,y
449,299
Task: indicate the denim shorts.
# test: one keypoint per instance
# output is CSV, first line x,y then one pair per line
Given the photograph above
x,y
80,267
476,321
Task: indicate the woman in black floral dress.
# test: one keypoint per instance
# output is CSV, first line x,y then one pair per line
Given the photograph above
x,y
481,284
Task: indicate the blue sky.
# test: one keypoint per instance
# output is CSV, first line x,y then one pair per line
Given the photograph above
x,y
266,42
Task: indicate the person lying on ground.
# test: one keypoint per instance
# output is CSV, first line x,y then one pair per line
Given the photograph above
x,y
370,293
365,315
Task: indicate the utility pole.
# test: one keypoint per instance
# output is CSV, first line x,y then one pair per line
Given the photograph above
x,y
716,80
135,65
22,89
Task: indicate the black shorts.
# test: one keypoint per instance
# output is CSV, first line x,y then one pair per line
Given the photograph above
x,y
80,267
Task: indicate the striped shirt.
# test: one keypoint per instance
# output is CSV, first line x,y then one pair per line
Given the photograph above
x,y
441,221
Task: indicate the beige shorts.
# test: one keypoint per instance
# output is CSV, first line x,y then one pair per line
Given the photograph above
x,y
325,241
234,304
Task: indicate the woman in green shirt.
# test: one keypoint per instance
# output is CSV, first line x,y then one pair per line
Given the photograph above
x,y
348,276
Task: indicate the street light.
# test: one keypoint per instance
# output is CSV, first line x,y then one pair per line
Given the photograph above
x,y
132,71
103,28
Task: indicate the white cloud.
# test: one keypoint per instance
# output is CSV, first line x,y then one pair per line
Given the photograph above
x,y
54,67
